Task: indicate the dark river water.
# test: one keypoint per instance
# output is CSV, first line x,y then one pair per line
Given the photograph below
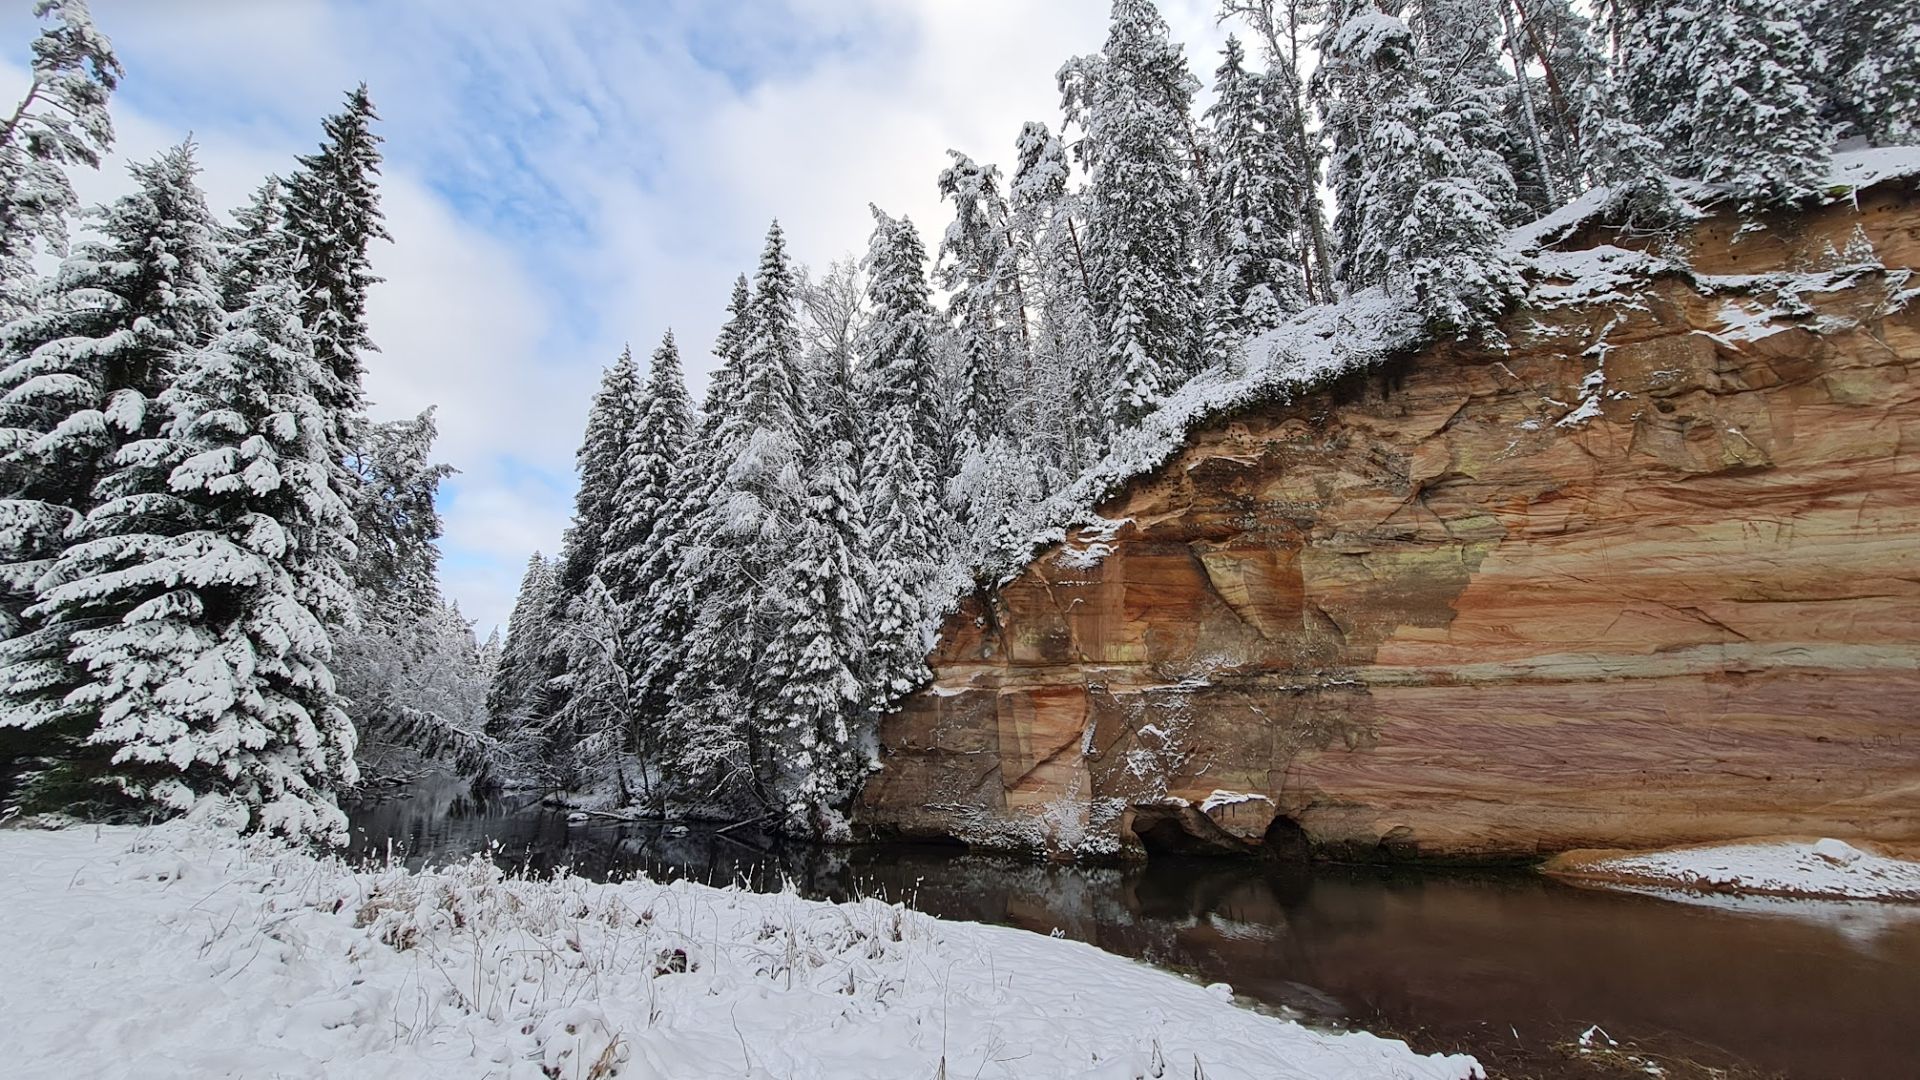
x,y
1508,965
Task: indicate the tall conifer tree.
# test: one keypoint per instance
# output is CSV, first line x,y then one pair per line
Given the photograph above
x,y
660,438
1419,200
1257,193
198,593
61,121
1723,86
1133,102
899,342
122,314
333,216
611,421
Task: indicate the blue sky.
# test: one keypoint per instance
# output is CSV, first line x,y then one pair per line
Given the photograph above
x,y
565,176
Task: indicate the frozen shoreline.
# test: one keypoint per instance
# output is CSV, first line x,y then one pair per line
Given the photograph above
x,y
177,951
1815,869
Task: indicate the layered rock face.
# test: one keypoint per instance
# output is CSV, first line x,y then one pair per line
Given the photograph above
x,y
1650,575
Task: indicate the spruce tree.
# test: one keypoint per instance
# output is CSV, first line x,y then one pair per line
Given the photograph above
x,y
771,383
1285,28
899,340
1419,202
333,217
1256,198
659,439
723,713
905,538
730,348
816,661
1867,77
86,370
1722,85
61,121
678,569
518,694
662,612
611,420
986,304
256,246
1132,102
198,593
1471,96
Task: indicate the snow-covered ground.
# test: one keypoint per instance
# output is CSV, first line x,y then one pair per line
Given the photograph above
x,y
177,951
1824,868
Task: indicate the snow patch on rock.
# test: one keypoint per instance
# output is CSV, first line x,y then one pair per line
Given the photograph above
x,y
1220,799
1825,868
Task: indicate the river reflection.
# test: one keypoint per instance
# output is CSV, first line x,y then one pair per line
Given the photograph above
x,y
1508,965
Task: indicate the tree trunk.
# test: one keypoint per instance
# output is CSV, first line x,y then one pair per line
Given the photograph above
x,y
1525,87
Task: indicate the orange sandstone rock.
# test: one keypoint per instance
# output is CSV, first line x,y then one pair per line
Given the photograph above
x,y
1648,576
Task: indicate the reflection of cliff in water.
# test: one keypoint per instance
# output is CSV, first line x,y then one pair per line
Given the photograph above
x,y
1504,964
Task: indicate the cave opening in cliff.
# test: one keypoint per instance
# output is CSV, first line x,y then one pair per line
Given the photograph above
x,y
1285,840
1182,830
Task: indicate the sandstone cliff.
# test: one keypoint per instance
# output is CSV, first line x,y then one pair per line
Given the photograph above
x,y
1649,575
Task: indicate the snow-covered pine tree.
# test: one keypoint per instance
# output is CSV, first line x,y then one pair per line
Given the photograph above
x,y
645,526
1581,117
978,268
899,341
545,737
1416,213
1258,194
1285,28
256,245
771,384
730,347
611,420
61,120
518,694
820,748
198,593
396,570
333,217
679,566
1722,86
905,540
661,617
84,372
1868,74
1132,102
1457,45
722,698
1062,423
659,439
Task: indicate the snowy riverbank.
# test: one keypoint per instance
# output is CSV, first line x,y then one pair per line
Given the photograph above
x,y
176,951
1823,869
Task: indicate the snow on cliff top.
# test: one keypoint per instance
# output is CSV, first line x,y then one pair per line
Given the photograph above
x,y
1314,346
1367,328
176,952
